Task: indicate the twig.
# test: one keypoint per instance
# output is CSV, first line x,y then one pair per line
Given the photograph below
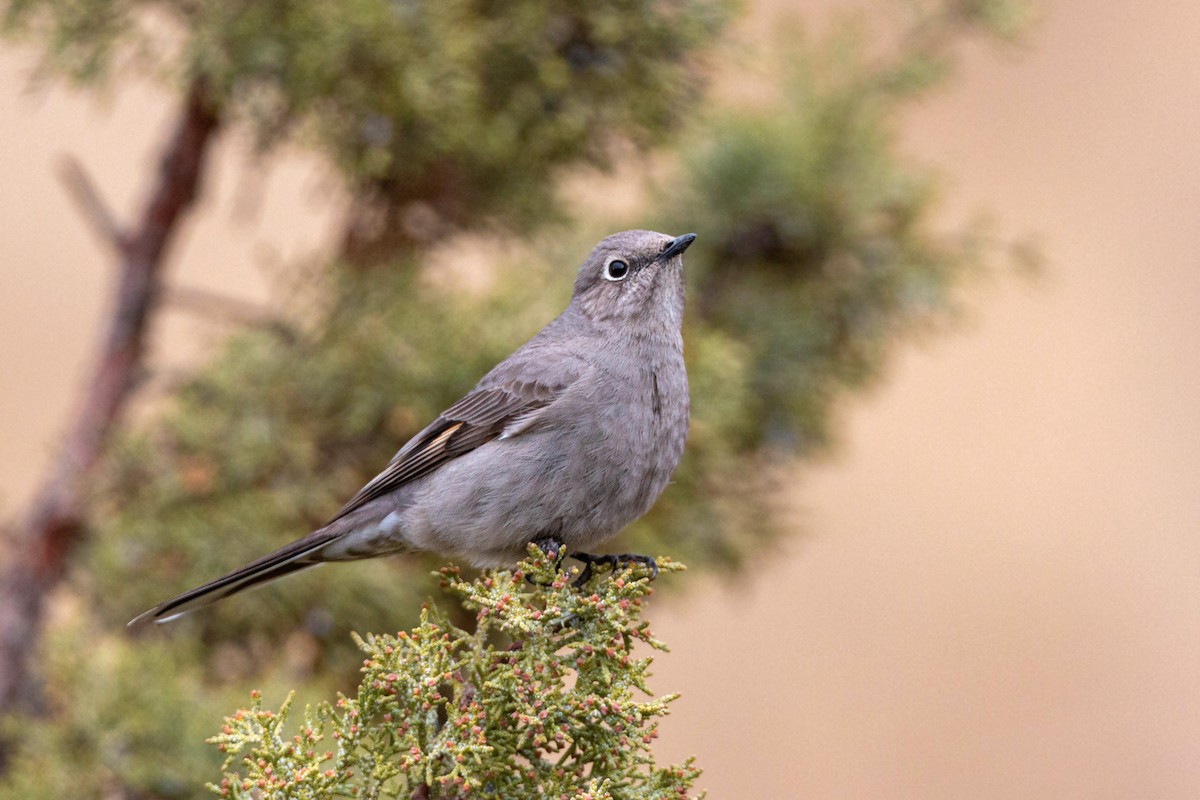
x,y
82,189
207,303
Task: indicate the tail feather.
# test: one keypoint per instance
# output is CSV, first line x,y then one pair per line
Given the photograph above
x,y
284,561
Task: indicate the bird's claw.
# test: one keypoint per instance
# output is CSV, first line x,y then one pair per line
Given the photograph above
x,y
614,561
556,551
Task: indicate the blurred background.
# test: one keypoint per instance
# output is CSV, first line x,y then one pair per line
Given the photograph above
x,y
971,565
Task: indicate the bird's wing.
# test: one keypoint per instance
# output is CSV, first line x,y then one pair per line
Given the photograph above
x,y
505,408
497,411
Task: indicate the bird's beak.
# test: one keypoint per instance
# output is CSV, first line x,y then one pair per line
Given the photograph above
x,y
676,246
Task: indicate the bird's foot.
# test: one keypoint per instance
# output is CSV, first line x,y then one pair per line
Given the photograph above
x,y
614,561
554,550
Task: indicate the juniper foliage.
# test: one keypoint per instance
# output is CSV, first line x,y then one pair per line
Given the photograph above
x,y
545,697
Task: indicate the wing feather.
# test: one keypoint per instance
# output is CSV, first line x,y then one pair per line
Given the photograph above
x,y
478,418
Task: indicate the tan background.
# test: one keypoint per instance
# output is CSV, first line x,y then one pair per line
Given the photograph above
x,y
999,595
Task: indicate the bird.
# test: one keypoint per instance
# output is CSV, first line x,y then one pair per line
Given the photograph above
x,y
563,443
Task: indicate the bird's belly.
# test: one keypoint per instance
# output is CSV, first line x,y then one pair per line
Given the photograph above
x,y
580,484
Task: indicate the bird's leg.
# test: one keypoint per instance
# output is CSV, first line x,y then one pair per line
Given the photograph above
x,y
552,548
613,561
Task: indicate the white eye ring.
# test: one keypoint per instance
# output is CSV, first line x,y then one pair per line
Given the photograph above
x,y
616,269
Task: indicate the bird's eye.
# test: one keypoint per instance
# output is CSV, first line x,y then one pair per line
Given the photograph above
x,y
616,269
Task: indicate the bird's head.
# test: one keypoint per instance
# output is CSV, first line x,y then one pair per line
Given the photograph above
x,y
632,275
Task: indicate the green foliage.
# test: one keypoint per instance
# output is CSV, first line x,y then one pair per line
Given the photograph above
x,y
452,113
541,699
120,719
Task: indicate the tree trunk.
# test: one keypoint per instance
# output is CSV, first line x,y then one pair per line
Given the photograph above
x,y
36,552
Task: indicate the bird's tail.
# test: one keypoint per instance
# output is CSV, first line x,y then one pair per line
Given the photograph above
x,y
300,554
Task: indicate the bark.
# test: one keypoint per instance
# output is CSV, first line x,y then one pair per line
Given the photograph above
x,y
36,553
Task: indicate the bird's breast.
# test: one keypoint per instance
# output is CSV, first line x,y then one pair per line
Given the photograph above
x,y
645,440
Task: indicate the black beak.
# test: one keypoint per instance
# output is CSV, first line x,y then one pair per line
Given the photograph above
x,y
676,246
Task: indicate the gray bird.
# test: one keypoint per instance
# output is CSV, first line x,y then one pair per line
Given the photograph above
x,y
565,442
